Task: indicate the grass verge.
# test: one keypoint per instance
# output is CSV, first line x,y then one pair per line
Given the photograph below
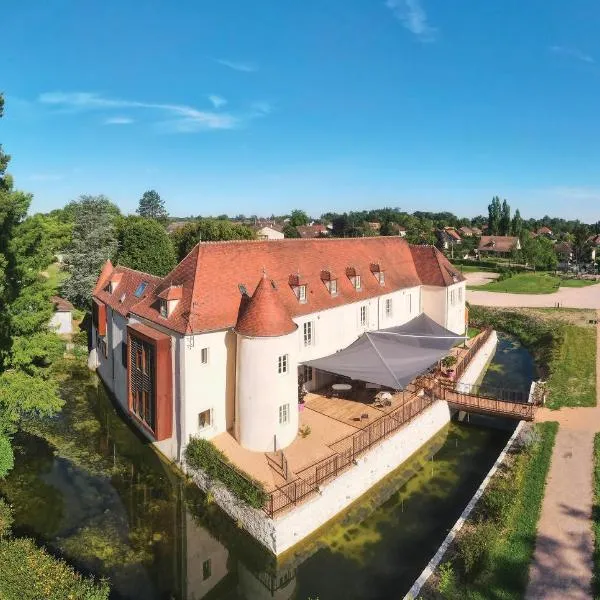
x,y
563,345
596,519
522,283
490,557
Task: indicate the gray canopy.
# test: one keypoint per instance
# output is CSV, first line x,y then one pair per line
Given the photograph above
x,y
391,357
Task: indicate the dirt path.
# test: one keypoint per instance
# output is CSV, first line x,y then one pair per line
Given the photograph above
x,y
585,297
563,559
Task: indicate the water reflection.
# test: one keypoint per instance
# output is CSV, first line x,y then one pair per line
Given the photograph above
x,y
96,494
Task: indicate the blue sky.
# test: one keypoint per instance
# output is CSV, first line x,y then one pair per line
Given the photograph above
x,y
263,106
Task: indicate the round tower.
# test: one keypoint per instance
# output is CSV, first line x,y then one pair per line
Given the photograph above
x,y
266,413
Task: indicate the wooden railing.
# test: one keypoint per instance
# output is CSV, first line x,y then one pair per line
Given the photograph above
x,y
467,357
346,451
494,393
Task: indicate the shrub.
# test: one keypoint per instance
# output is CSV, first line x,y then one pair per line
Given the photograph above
x,y
475,547
6,518
449,361
30,573
447,583
203,455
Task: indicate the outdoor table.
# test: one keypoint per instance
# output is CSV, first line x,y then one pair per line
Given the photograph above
x,y
338,388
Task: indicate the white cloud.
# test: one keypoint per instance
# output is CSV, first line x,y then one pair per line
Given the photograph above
x,y
244,67
572,53
413,17
217,101
176,117
118,121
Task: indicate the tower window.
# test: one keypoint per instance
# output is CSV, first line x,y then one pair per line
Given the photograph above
x,y
284,414
282,364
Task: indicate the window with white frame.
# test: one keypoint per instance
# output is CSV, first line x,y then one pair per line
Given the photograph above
x,y
307,374
333,287
357,282
204,356
381,278
282,364
460,294
302,293
205,419
308,331
388,307
452,297
364,316
284,414
163,308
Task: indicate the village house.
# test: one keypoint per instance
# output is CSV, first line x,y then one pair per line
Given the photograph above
x,y
466,231
312,231
498,245
271,231
218,345
448,237
62,319
545,231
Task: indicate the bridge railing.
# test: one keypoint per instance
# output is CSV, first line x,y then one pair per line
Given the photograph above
x,y
494,393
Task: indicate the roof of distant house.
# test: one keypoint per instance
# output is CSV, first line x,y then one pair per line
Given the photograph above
x,y
595,240
466,230
563,248
452,233
498,243
61,304
312,231
544,231
275,226
216,278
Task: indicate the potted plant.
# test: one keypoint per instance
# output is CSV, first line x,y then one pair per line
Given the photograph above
x,y
448,362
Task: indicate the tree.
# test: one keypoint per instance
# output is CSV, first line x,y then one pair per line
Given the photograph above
x,y
94,242
5,179
152,206
208,230
289,231
494,214
504,225
539,253
581,244
298,217
517,224
144,245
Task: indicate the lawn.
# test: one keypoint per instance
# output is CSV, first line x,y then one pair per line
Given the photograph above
x,y
54,276
522,283
491,555
577,283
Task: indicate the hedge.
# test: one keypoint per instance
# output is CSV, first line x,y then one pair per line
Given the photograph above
x,y
203,455
30,573
490,264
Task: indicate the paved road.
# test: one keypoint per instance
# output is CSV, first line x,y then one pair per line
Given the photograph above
x,y
586,297
563,559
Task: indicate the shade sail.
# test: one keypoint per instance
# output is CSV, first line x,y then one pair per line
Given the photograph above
x,y
392,357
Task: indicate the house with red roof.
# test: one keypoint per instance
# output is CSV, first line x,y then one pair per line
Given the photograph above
x,y
218,344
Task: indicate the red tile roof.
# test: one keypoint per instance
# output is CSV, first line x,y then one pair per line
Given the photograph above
x,y
544,230
452,233
214,275
61,304
173,292
498,243
263,314
433,267
312,231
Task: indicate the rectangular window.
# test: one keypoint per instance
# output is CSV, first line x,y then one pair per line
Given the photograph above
x,y
124,354
282,364
140,289
205,419
307,374
206,570
357,282
142,380
333,287
204,356
460,294
381,278
308,330
451,297
409,303
138,358
302,293
163,309
388,307
363,316
284,414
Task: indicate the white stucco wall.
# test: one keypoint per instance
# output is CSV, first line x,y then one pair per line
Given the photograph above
x,y
118,336
434,303
105,368
269,234
455,303
61,322
261,390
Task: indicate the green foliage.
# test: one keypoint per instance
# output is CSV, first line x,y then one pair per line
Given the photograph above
x,y
521,283
494,216
539,253
475,547
144,245
517,224
35,353
298,217
447,584
449,361
505,222
289,231
152,206
30,573
7,458
6,518
208,230
93,243
201,454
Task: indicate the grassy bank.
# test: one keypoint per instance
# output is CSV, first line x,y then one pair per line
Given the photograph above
x,y
596,518
563,345
490,557
531,283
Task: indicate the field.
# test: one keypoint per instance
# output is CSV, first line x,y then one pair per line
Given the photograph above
x,y
531,283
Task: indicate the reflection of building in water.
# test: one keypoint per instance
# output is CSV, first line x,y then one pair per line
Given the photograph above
x,y
279,586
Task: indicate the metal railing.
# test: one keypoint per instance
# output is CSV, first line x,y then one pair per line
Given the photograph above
x,y
347,450
465,360
493,393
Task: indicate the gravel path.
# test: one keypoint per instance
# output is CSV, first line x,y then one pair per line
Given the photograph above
x,y
586,297
480,277
563,559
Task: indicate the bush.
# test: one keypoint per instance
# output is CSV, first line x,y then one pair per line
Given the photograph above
x,y
475,547
6,518
30,573
203,455
447,583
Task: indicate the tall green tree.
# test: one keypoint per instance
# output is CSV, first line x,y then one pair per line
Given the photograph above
x,y
208,230
517,224
539,253
152,206
144,245
94,241
505,222
298,217
289,231
494,215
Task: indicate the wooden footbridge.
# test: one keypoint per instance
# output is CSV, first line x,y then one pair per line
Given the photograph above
x,y
512,404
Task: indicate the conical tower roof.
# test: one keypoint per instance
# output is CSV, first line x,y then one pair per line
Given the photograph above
x,y
264,314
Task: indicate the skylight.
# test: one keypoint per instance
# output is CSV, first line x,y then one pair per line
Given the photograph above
x,y
140,289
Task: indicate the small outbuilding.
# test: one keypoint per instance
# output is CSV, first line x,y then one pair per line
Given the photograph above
x,y
62,320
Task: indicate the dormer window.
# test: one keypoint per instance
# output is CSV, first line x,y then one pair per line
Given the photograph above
x,y
381,278
302,293
333,287
163,308
354,277
378,272
114,282
357,282
299,287
330,282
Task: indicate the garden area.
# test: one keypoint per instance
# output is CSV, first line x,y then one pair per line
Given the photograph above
x,y
563,343
490,556
531,283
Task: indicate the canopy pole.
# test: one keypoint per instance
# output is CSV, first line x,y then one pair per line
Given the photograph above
x,y
384,361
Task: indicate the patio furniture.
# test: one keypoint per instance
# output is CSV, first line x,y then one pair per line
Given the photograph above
x,y
340,388
364,416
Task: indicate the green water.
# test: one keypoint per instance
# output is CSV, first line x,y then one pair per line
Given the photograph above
x,y
95,493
